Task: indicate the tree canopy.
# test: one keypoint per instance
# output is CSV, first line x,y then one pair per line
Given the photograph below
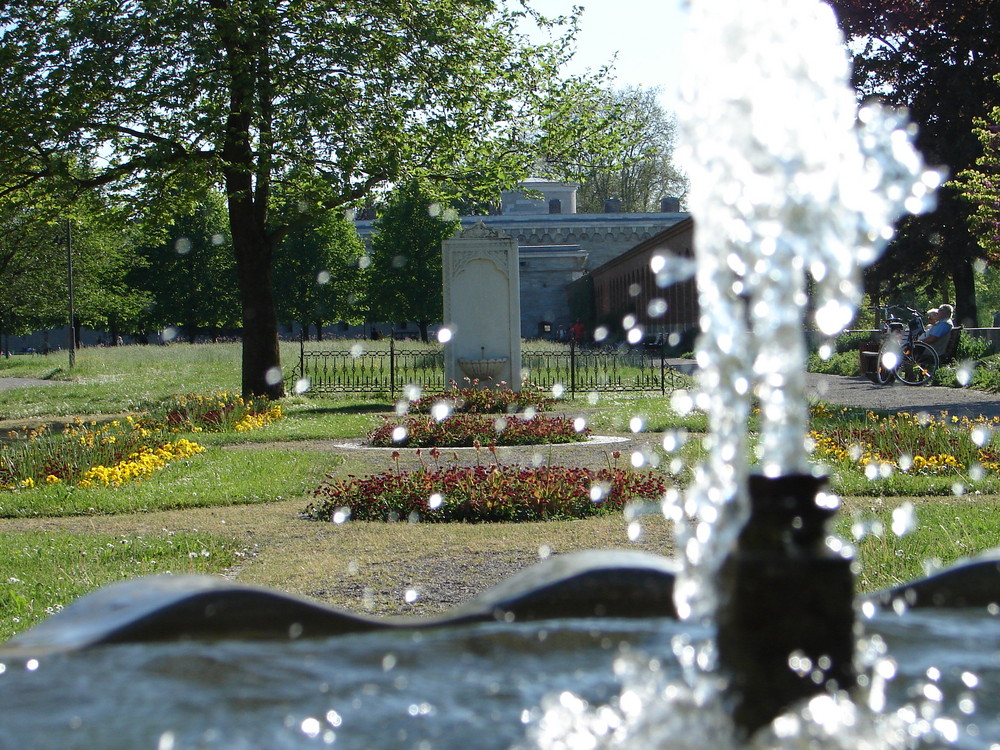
x,y
643,171
940,61
404,277
154,101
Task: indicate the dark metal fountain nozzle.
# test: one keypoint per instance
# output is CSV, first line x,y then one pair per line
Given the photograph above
x,y
786,628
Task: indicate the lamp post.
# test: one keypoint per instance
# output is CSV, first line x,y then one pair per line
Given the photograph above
x,y
69,274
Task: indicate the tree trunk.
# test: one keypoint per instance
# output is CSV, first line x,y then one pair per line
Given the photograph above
x,y
422,326
963,276
319,331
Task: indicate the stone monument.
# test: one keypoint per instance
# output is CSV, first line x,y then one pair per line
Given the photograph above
x,y
482,308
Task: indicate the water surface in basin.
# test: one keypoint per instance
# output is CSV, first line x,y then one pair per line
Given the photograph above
x,y
570,683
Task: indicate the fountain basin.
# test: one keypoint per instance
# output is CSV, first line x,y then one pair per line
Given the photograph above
x,y
483,369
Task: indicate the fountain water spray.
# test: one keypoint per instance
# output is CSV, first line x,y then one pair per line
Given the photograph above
x,y
789,179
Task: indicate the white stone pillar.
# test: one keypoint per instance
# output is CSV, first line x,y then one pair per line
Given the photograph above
x,y
482,307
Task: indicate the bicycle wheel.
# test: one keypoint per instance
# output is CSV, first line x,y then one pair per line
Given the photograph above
x,y
918,364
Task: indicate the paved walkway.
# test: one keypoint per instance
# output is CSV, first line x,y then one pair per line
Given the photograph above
x,y
861,392
7,384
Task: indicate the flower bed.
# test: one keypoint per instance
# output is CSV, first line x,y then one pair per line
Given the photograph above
x,y
498,399
482,494
911,444
113,453
467,430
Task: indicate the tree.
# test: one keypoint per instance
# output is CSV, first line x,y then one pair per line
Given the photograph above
x,y
160,99
404,278
939,60
317,273
191,274
643,172
981,186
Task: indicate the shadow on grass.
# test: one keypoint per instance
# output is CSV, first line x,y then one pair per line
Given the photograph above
x,y
353,408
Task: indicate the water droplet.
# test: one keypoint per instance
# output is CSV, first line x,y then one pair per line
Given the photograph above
x,y
634,531
301,385
273,376
629,321
904,519
169,334
544,552
412,392
557,391
399,261
341,515
182,246
638,459
634,335
357,350
981,435
444,335
435,501
218,239
579,424
434,210
398,434
637,424
656,308
600,333
411,596
323,278
440,410
964,373
500,424
364,261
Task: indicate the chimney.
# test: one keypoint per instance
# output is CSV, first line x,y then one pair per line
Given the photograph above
x,y
612,206
670,205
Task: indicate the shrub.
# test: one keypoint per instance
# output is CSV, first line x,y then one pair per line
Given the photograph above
x,y
466,430
482,494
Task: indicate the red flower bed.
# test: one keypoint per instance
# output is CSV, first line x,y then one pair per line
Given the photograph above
x,y
465,430
483,494
498,399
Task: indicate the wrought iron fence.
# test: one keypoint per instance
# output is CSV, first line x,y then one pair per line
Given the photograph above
x,y
574,369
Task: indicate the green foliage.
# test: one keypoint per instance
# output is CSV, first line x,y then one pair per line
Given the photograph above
x,y
404,278
483,494
189,270
910,54
980,185
317,276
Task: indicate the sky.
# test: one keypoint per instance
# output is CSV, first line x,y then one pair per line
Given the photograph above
x,y
646,34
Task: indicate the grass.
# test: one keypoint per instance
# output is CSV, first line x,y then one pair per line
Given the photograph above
x,y
216,478
244,495
42,571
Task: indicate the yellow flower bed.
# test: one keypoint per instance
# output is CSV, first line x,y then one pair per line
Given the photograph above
x,y
256,421
139,465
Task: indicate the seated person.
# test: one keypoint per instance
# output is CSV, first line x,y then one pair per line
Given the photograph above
x,y
932,318
939,333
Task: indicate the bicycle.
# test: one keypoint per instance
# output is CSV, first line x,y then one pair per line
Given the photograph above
x,y
901,355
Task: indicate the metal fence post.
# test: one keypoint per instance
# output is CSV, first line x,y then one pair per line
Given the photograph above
x,y
392,365
572,367
663,367
302,354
